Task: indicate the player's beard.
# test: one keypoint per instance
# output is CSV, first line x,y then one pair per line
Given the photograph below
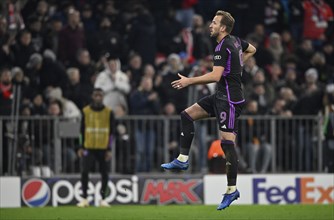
x,y
214,35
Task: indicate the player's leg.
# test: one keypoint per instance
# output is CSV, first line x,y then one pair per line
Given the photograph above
x,y
103,166
191,114
86,162
227,120
188,116
228,146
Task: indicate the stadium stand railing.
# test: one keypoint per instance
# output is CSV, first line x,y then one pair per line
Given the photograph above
x,y
47,146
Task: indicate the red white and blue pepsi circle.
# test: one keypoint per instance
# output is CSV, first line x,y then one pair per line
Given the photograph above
x,y
35,193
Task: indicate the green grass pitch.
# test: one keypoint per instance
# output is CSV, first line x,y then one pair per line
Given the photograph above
x,y
174,212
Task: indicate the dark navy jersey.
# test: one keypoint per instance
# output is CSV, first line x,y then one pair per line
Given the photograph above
x,y
228,54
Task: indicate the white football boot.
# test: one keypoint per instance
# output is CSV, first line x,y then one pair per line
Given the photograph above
x,y
84,203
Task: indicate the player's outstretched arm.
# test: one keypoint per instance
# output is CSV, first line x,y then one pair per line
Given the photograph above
x,y
250,51
211,77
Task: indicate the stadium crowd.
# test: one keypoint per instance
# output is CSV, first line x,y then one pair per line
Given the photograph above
x,y
58,51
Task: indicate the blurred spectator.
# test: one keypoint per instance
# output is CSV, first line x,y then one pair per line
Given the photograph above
x,y
18,78
259,94
12,10
325,69
279,108
35,27
318,16
6,39
310,102
67,108
275,74
250,69
329,128
89,22
289,97
296,18
288,42
261,90
275,46
304,53
71,38
125,143
216,158
201,42
134,70
273,16
75,91
184,11
258,34
144,101
149,71
55,108
258,149
86,67
42,12
262,56
169,37
6,92
28,155
106,39
168,93
244,21
51,36
113,82
328,50
44,72
110,10
290,79
174,136
23,49
142,35
38,105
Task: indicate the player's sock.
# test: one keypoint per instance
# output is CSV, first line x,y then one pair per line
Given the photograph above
x,y
104,185
187,133
183,158
231,189
231,162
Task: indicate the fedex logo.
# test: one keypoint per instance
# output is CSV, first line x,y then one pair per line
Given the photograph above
x,y
165,192
304,190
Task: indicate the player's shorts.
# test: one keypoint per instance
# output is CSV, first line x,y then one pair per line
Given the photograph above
x,y
226,113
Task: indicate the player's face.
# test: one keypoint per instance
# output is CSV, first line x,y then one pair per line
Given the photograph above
x,y
215,26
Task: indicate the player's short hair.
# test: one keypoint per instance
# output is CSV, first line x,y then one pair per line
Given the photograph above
x,y
226,20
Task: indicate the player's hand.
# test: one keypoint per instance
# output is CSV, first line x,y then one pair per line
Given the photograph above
x,y
181,83
80,153
108,155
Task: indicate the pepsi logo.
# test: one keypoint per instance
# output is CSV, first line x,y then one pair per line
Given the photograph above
x,y
35,193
